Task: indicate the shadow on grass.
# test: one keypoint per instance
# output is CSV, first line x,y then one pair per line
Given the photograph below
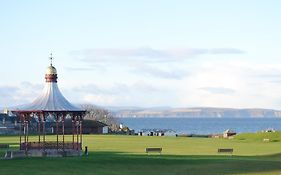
x,y
105,163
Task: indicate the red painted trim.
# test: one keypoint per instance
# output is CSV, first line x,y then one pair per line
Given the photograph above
x,y
51,77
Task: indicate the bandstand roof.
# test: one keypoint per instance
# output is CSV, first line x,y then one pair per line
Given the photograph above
x,y
51,99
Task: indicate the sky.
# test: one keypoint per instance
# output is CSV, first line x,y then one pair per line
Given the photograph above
x,y
179,53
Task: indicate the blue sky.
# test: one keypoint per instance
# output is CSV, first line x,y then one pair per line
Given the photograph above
x,y
146,53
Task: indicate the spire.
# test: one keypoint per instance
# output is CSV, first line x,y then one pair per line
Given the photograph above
x,y
51,73
51,58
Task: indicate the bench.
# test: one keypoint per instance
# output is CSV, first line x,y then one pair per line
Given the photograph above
x,y
225,150
14,154
4,145
158,150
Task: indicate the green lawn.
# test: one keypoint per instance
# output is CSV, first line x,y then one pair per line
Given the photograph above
x,y
125,155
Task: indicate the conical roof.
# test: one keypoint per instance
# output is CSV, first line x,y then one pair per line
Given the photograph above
x,y
51,99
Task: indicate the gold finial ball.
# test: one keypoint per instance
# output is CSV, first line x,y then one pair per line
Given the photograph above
x,y
51,70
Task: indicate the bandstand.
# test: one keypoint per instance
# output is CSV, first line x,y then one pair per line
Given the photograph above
x,y
51,104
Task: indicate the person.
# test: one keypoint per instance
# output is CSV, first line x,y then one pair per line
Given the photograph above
x,y
86,151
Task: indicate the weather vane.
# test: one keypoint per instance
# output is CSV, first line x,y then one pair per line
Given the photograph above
x,y
51,58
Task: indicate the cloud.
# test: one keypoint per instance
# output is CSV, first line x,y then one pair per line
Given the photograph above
x,y
222,83
87,68
271,76
79,68
117,89
218,90
139,93
102,90
148,54
226,51
232,83
7,91
14,95
144,61
156,71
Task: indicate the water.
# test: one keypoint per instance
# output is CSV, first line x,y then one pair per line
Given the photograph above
x,y
203,125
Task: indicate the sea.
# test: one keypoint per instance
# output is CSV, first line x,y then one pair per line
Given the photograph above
x,y
203,125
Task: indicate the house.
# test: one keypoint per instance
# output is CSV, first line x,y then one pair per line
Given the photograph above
x,y
89,127
94,127
6,119
228,133
157,132
8,124
145,132
169,132
269,130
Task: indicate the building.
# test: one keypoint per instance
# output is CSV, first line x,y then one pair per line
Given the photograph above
x,y
8,124
228,133
89,127
52,106
95,127
157,132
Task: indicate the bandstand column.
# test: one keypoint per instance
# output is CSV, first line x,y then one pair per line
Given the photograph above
x,y
39,129
77,132
20,132
27,127
57,130
73,131
21,129
63,117
44,132
80,121
25,133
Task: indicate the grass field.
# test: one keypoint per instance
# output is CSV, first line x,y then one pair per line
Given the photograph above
x,y
124,155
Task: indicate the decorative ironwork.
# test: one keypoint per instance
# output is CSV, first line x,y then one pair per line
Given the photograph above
x,y
50,145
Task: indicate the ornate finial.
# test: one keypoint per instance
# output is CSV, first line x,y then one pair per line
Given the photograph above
x,y
51,58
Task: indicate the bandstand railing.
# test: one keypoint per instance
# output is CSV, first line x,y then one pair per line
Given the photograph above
x,y
50,145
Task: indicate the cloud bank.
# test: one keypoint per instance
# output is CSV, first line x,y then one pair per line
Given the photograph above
x,y
19,94
147,54
145,61
218,90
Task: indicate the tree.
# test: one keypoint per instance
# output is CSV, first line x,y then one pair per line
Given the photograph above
x,y
100,114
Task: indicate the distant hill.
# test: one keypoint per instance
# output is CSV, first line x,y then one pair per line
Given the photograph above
x,y
195,112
